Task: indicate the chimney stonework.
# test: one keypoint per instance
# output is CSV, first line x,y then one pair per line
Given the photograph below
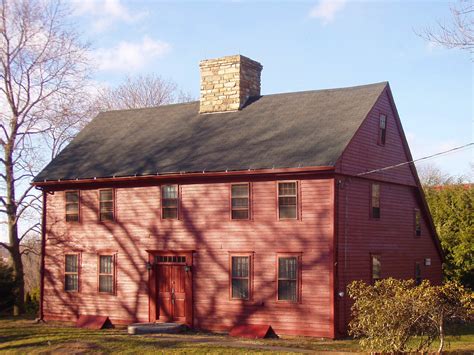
x,y
228,82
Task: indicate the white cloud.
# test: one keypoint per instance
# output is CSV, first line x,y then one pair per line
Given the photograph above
x,y
105,12
326,10
130,56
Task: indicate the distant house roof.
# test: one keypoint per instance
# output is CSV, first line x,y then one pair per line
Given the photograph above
x,y
291,130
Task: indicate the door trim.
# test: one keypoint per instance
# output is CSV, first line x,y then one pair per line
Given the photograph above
x,y
153,310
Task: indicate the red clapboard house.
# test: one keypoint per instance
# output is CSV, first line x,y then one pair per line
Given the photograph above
x,y
239,209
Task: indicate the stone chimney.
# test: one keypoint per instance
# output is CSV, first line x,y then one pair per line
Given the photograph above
x,y
228,82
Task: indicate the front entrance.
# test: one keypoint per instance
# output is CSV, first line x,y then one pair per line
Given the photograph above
x,y
171,278
171,287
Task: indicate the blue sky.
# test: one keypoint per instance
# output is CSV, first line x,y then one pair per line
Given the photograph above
x,y
302,46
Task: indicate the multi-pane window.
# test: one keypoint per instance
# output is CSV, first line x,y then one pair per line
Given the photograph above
x,y
376,268
72,206
382,129
240,275
417,223
240,201
375,201
287,200
169,201
418,278
71,273
288,278
106,273
106,198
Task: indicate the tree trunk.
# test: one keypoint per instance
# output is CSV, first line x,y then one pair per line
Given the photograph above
x,y
441,337
11,207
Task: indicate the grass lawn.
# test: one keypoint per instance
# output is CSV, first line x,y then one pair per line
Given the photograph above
x,y
23,336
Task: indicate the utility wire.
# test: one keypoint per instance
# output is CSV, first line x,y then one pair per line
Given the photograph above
x,y
415,160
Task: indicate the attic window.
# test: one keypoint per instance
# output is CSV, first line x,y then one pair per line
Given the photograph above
x,y
417,223
382,129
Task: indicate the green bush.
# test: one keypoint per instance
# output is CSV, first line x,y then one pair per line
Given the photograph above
x,y
397,316
7,286
32,300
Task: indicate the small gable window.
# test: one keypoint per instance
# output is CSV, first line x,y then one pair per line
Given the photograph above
x,y
72,206
417,223
287,200
375,201
106,197
240,201
382,129
71,273
106,273
240,277
169,201
376,268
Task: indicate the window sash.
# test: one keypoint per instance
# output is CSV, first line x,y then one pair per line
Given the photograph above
x,y
288,278
106,273
169,201
71,272
240,277
382,129
106,205
288,200
72,206
375,201
240,201
417,223
376,268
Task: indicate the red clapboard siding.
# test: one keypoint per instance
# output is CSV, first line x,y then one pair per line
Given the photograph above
x,y
205,227
392,237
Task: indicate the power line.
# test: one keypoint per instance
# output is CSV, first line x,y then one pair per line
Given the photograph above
x,y
415,160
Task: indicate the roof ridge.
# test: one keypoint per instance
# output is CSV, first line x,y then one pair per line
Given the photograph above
x,y
274,94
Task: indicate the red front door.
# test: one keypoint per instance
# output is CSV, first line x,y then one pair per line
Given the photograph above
x,y
171,281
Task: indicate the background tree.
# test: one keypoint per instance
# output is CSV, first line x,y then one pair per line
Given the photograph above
x,y
43,65
140,92
459,33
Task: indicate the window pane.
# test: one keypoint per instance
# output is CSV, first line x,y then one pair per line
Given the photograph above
x,y
72,196
287,188
105,264
105,283
170,191
383,121
287,290
107,216
170,213
72,208
71,263
240,214
240,203
71,282
287,268
240,266
287,212
72,217
287,201
376,212
106,206
240,288
240,190
376,267
173,203
106,195
417,223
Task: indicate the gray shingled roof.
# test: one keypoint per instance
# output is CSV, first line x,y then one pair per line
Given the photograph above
x,y
290,130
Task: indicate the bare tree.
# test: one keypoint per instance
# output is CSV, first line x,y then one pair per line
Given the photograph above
x,y
42,65
139,92
459,33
